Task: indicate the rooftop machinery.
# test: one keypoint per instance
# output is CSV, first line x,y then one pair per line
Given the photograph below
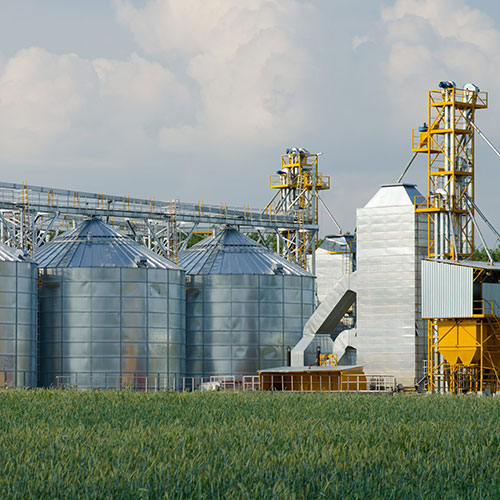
x,y
31,215
298,183
457,294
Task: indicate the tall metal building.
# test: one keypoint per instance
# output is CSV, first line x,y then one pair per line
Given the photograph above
x,y
112,312
391,241
245,305
18,322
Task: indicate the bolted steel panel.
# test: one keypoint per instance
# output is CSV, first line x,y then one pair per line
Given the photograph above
x,y
115,317
18,319
251,326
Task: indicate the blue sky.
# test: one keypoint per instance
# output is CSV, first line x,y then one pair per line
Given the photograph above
x,y
196,100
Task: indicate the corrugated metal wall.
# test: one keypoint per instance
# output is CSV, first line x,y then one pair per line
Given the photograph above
x,y
104,327
18,323
391,241
238,324
447,290
329,269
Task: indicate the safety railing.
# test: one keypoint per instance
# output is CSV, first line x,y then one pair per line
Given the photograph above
x,y
17,378
250,382
432,202
49,200
156,383
328,383
134,382
169,383
444,96
486,306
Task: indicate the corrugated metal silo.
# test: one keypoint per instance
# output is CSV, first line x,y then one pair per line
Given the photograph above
x,y
111,311
18,306
245,305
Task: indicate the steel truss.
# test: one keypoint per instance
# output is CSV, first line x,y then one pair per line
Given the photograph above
x,y
32,215
298,183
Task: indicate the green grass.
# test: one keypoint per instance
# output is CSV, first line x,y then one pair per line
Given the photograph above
x,y
64,444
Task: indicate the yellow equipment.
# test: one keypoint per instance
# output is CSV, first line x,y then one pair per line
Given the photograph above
x,y
463,353
318,378
299,183
328,360
448,142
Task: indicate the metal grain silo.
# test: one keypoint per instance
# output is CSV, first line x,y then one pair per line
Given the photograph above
x,y
111,311
245,305
18,305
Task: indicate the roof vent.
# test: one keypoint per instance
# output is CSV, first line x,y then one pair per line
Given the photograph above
x,y
141,261
277,268
21,254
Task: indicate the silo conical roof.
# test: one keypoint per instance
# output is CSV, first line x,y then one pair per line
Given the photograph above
x,y
231,252
96,244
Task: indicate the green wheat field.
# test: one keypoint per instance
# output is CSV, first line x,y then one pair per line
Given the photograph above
x,y
66,444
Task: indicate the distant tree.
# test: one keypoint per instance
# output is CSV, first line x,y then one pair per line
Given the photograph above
x,y
195,238
481,255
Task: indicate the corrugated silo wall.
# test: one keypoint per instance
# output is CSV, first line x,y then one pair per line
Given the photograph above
x,y
238,324
104,327
392,338
18,324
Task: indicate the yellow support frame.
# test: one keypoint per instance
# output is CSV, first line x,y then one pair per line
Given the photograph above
x,y
463,354
299,183
451,113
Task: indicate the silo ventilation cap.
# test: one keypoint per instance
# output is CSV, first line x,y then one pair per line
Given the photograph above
x,y
141,261
21,254
277,268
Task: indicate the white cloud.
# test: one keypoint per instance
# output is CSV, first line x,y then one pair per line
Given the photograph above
x,y
223,86
433,40
358,40
40,95
245,60
217,74
59,104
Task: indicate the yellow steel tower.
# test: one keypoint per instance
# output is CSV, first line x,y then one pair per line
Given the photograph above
x,y
463,352
448,141
299,184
